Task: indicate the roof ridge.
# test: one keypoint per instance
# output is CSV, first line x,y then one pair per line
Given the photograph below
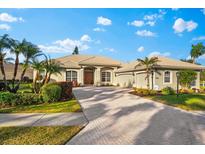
x,y
87,59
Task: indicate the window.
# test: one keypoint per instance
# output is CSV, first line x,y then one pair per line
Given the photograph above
x,y
105,76
167,77
71,76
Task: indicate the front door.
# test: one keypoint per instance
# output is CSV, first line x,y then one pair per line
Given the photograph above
x,y
88,76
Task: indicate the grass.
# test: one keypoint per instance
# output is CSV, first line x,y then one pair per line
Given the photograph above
x,y
184,101
67,106
44,135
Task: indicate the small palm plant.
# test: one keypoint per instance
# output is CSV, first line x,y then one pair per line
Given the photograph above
x,y
148,63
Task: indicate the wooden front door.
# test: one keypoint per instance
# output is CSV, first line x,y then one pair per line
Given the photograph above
x,y
88,76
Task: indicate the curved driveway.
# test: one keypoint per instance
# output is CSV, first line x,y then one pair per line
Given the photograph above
x,y
117,117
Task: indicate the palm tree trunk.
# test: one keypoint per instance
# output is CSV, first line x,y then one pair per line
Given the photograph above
x,y
45,78
34,82
48,78
147,71
24,70
15,69
3,73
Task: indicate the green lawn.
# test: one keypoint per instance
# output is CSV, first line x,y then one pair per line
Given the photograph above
x,y
67,106
46,135
184,101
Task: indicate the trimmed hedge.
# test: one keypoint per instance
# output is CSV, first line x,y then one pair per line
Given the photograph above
x,y
8,99
168,91
144,92
51,93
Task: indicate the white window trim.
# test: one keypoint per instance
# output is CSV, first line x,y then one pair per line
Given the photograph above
x,y
110,76
170,77
71,74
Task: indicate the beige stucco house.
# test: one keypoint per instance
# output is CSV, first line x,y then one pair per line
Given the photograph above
x,y
99,70
164,74
87,70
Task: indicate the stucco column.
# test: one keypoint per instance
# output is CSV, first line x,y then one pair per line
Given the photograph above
x,y
82,76
97,76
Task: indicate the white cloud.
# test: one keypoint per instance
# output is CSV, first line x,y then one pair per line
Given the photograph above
x,y
67,45
155,16
97,29
104,21
145,33
85,38
9,18
203,11
110,49
137,23
140,49
180,25
156,53
150,23
200,38
4,27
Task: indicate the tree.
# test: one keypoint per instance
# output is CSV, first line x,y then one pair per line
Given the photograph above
x,y
75,51
4,44
39,68
30,51
51,67
16,48
197,51
186,77
148,63
202,76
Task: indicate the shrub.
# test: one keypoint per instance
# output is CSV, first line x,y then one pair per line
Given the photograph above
x,y
144,92
30,98
168,91
8,99
51,93
66,89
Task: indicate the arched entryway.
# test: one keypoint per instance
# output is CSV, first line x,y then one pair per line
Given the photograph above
x,y
88,76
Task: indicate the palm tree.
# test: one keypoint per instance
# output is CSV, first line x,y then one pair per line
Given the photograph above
x,y
30,51
148,63
39,68
3,45
17,48
52,67
197,51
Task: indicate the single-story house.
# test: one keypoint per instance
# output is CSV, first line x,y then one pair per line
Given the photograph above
x,y
163,75
99,70
9,71
87,70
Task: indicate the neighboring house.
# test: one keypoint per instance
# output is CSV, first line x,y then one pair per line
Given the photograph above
x,y
9,71
87,70
164,74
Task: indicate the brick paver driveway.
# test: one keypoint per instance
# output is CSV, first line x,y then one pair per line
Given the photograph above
x,y
117,117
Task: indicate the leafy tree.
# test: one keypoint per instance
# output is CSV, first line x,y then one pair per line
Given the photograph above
x,y
186,77
197,51
75,51
202,76
148,63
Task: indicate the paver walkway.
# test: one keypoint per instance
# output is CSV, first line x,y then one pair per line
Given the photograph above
x,y
117,117
42,119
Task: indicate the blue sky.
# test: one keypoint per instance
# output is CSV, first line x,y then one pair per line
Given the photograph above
x,y
123,34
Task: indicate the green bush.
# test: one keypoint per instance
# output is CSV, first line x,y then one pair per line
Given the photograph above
x,y
51,93
30,98
144,92
168,91
8,99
